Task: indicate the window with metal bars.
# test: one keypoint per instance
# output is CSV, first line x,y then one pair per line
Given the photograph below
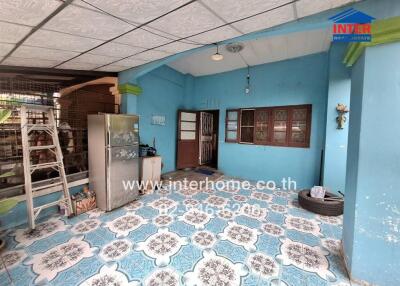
x,y
70,114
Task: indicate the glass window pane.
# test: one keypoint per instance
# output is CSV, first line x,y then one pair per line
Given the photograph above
x,y
232,115
300,114
298,137
231,135
279,137
188,125
232,125
280,114
188,135
280,125
262,125
188,116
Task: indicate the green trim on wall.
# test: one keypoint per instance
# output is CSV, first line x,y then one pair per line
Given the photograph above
x,y
383,32
130,88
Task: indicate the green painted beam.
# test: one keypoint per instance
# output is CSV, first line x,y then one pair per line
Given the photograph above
x,y
383,32
130,88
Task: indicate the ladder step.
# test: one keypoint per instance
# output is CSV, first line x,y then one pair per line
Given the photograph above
x,y
39,127
37,210
38,107
46,186
44,147
46,165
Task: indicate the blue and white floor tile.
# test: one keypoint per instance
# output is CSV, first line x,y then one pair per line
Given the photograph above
x,y
182,237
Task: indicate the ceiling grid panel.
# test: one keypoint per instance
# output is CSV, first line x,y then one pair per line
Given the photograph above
x,y
13,33
83,22
119,34
188,20
61,41
28,7
27,12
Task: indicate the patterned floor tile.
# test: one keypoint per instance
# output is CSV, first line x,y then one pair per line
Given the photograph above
x,y
176,236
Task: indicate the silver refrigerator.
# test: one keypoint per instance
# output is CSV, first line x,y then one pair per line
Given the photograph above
x,y
113,158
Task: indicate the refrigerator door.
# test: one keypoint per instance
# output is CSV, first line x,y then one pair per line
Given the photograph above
x,y
122,130
122,175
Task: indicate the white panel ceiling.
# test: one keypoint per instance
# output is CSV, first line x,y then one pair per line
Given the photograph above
x,y
187,21
61,41
138,11
85,22
12,33
152,55
177,47
13,61
266,20
27,12
82,28
5,49
42,53
256,52
309,7
116,50
130,62
232,10
75,65
142,38
217,35
112,68
99,60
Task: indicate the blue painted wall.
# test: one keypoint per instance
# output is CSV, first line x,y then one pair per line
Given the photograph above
x,y
339,83
371,233
18,215
297,81
163,94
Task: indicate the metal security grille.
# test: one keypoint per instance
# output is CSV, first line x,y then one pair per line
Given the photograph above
x,y
70,115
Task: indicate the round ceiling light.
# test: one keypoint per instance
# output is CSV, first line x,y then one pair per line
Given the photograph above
x,y
217,56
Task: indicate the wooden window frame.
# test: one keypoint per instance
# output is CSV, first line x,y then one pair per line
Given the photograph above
x,y
270,139
238,126
247,126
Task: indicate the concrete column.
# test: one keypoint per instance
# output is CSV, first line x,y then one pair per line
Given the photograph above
x,y
371,229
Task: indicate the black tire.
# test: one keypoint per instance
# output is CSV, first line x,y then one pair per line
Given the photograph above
x,y
328,208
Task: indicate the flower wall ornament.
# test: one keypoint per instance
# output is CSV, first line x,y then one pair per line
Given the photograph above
x,y
341,118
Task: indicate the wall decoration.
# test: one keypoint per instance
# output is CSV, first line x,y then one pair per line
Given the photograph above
x,y
341,118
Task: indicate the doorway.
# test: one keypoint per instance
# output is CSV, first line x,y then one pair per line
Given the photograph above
x,y
197,138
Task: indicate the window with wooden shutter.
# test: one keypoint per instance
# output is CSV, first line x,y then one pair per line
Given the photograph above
x,y
247,126
262,126
300,122
288,126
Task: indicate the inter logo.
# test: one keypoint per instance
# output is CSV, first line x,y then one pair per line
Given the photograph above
x,y
351,26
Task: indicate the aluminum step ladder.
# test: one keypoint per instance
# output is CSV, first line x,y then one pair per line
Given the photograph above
x,y
51,129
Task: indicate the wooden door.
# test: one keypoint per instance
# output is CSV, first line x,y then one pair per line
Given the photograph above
x,y
206,138
188,141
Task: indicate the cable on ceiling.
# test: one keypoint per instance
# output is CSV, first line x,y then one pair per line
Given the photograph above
x,y
212,29
139,27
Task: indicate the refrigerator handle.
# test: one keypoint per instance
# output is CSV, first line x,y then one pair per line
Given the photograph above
x,y
108,133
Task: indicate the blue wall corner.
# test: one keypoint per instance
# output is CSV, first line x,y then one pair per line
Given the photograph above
x,y
163,94
371,236
335,154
